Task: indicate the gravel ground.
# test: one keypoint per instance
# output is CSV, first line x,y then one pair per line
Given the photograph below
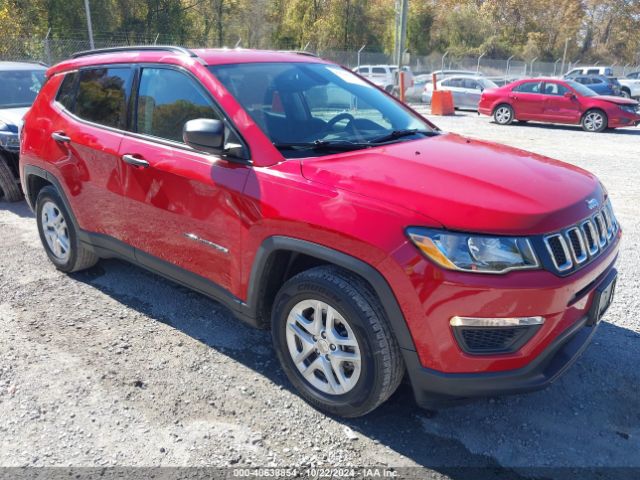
x,y
118,367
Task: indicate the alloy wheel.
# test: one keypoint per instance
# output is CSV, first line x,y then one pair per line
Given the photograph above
x,y
593,121
503,115
323,347
55,231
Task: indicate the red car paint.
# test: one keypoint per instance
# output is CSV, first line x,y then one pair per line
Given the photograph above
x,y
359,203
540,107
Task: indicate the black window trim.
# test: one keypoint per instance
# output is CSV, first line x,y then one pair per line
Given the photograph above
x,y
131,107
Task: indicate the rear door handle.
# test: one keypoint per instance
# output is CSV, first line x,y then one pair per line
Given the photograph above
x,y
60,137
135,161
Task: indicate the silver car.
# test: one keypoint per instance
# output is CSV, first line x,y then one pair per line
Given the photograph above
x,y
466,90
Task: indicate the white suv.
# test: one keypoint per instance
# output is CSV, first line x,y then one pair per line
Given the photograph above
x,y
384,76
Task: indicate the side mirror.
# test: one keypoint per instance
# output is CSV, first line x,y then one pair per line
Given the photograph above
x,y
569,95
204,134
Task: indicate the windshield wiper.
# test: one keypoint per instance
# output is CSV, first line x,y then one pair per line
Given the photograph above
x,y
322,145
402,133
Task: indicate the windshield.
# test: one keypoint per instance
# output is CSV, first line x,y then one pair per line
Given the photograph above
x,y
19,87
581,89
297,103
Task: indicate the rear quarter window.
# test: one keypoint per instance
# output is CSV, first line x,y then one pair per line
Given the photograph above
x,y
103,94
67,92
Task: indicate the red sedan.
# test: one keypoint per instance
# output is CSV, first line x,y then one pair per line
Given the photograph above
x,y
558,101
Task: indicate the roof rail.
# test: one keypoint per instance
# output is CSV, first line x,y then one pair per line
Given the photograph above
x,y
299,52
165,48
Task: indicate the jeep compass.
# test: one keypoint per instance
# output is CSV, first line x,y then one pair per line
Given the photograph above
x,y
374,246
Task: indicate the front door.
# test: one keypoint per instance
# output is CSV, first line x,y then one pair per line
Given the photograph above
x,y
182,207
560,105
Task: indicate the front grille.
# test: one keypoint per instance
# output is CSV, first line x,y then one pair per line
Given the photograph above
x,y
488,340
574,246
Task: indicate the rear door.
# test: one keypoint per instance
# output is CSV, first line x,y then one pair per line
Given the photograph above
x,y
528,101
558,107
456,87
183,208
86,139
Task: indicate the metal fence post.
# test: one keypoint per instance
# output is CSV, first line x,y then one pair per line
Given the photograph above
x,y
443,57
531,68
47,48
506,73
555,65
480,58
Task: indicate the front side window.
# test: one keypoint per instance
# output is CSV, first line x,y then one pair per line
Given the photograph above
x,y
167,99
378,71
18,88
593,71
315,102
528,87
103,94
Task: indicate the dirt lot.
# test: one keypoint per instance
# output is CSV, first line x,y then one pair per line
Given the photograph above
x,y
116,366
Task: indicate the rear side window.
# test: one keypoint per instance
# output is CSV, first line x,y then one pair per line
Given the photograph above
x,y
102,96
528,87
167,99
67,93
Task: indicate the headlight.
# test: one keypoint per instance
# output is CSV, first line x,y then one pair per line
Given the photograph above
x,y
8,139
474,253
628,108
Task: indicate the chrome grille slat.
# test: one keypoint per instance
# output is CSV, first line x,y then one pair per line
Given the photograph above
x,y
576,244
590,235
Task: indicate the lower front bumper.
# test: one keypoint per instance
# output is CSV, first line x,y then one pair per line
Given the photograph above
x,y
433,388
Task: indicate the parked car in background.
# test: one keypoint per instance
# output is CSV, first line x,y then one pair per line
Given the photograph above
x,y
633,75
629,86
368,241
558,101
414,92
600,84
440,74
385,76
466,90
20,82
593,70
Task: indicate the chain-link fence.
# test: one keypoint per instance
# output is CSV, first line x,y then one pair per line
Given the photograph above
x,y
50,51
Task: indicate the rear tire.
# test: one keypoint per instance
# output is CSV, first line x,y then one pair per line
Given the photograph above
x,y
58,234
594,121
625,93
503,114
348,369
9,187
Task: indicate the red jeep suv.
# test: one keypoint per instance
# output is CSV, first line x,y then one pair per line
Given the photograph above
x,y
310,202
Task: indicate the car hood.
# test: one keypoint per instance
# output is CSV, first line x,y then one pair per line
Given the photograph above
x,y
13,116
464,184
618,100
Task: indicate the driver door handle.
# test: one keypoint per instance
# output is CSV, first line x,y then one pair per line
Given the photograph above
x,y
60,137
135,161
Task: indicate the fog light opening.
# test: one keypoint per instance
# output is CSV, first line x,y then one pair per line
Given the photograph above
x,y
490,336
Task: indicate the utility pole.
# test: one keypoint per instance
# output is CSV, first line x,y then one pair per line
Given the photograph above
x,y
402,10
89,28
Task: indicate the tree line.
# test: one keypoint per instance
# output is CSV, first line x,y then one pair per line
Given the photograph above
x,y
592,30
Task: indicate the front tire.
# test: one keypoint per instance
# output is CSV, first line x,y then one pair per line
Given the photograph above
x,y
58,234
503,114
594,121
625,93
334,343
9,188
